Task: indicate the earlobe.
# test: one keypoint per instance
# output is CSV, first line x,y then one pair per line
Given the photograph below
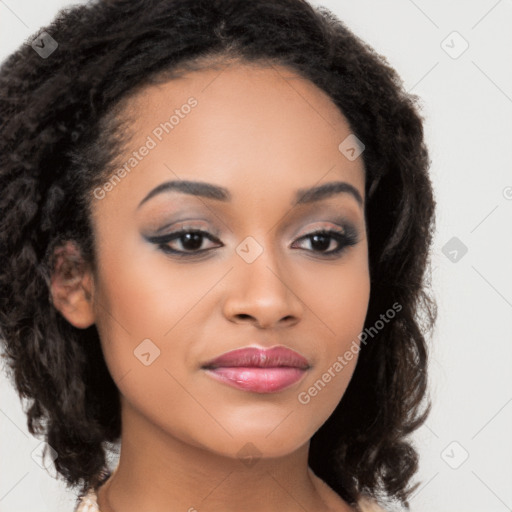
x,y
72,286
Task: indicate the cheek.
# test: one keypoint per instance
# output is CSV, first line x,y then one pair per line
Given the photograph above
x,y
146,317
147,305
339,298
340,303
132,305
138,294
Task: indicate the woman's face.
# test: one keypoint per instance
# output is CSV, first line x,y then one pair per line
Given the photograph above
x,y
252,279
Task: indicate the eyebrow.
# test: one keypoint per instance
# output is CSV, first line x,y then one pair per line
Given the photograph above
x,y
210,191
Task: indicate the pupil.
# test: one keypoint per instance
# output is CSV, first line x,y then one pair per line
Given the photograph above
x,y
321,246
192,241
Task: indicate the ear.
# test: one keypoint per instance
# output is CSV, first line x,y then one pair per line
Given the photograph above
x,y
72,286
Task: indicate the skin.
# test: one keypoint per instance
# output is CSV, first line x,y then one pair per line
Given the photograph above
x,y
262,133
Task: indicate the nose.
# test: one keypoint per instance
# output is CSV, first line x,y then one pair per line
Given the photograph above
x,y
262,293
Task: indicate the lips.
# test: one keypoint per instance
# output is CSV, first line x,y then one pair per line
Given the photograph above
x,y
260,358
258,370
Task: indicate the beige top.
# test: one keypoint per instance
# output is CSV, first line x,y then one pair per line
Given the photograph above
x,y
89,504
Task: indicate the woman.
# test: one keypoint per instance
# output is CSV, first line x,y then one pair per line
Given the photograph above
x,y
216,222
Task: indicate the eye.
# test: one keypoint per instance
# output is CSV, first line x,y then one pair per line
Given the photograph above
x,y
190,239
323,239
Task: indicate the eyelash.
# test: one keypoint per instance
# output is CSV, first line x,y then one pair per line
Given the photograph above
x,y
345,240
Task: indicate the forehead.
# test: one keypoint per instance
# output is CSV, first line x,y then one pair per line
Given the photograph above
x,y
240,95
264,127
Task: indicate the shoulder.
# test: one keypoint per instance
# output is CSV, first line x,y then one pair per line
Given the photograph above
x,y
369,505
88,503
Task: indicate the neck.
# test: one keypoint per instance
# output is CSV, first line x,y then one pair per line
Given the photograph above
x,y
160,473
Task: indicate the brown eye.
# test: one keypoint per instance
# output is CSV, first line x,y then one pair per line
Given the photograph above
x,y
191,241
323,239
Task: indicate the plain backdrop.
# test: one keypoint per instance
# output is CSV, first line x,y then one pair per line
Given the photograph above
x,y
457,57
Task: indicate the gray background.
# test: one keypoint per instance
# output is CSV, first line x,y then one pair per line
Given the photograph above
x,y
465,446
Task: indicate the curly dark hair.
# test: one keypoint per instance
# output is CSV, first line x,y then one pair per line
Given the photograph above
x,y
60,134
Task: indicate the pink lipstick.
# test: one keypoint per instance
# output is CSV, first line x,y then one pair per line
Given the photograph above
x,y
258,370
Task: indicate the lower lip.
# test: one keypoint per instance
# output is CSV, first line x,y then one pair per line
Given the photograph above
x,y
259,380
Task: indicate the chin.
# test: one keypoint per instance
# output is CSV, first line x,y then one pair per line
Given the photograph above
x,y
253,444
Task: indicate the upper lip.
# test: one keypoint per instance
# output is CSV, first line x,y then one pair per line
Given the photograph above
x,y
259,357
